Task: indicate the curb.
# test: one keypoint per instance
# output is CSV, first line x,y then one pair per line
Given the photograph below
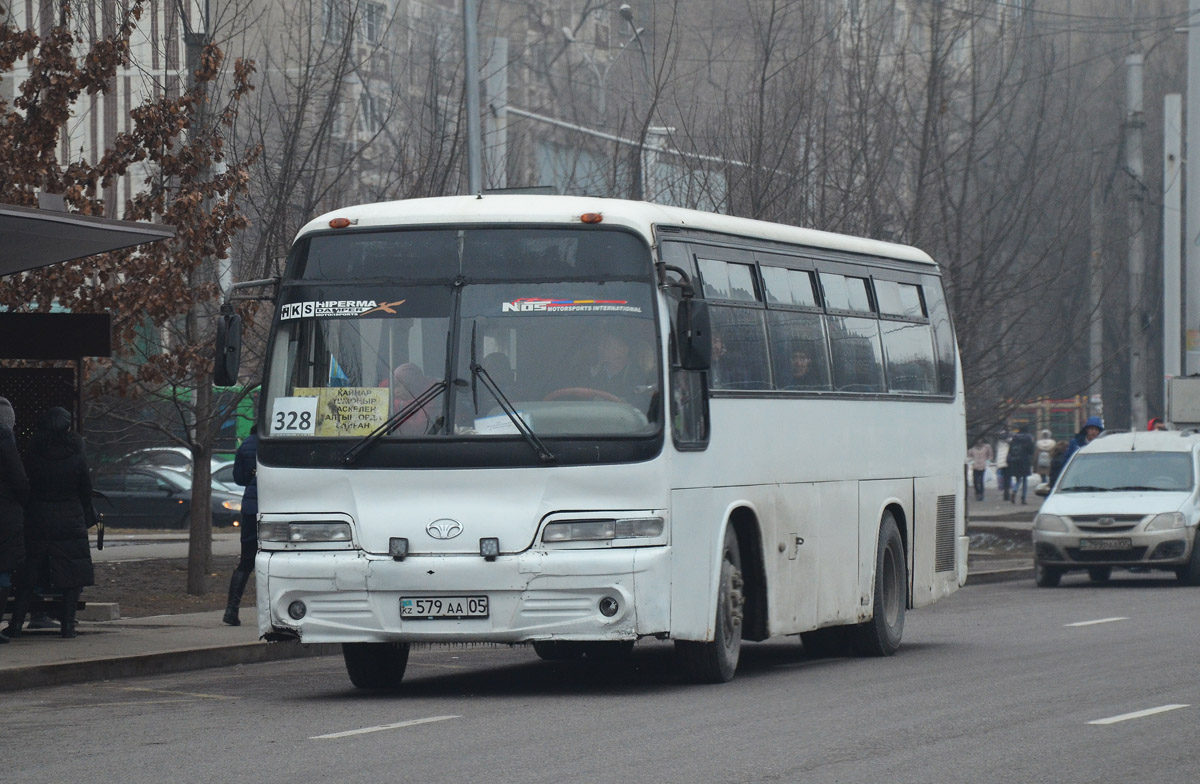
x,y
22,678
999,575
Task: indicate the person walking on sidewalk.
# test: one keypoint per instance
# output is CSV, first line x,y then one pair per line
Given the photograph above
x,y
14,490
1045,445
57,517
1003,479
1092,429
979,455
1020,462
245,473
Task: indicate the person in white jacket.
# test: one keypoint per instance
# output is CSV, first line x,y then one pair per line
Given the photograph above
x,y
1044,445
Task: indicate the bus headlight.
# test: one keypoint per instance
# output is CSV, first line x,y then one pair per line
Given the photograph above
x,y
233,506
1167,521
1049,522
304,532
600,530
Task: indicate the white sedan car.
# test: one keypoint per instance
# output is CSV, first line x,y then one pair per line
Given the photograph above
x,y
1124,500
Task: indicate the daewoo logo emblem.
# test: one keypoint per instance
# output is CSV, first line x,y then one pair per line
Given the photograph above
x,y
1106,521
444,529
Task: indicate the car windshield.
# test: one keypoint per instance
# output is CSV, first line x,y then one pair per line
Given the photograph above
x,y
1132,471
560,322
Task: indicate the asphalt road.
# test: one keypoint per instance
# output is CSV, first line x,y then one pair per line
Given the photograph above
x,y
993,684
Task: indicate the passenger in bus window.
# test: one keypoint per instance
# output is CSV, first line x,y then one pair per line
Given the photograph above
x,y
805,374
408,381
500,369
614,371
729,371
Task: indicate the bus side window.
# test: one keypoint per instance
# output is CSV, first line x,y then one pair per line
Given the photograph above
x,y
943,334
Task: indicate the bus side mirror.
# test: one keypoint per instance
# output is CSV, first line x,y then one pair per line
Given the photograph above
x,y
229,349
1042,490
691,334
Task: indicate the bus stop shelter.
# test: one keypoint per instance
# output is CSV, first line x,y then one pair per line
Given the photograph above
x,y
34,238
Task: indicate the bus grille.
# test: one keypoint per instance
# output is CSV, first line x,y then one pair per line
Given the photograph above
x,y
944,548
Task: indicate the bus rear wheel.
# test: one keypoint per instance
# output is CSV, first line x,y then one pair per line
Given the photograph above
x,y
881,635
375,665
716,661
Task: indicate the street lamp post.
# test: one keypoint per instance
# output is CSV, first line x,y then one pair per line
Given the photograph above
x,y
602,73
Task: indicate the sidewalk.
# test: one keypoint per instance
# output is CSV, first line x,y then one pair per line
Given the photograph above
x,y
176,643
139,646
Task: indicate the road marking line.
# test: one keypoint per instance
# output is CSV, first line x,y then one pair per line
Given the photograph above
x,y
1101,620
138,702
180,693
1138,714
383,727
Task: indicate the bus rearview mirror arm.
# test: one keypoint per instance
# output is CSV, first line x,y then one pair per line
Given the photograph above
x,y
692,337
228,355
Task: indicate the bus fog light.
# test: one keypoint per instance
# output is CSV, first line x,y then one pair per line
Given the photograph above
x,y
297,610
398,548
489,547
609,606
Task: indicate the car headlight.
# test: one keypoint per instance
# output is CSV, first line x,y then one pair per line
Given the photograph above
x,y
304,532
1049,522
233,506
600,530
1167,521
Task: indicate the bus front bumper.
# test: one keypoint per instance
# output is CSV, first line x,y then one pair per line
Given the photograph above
x,y
352,596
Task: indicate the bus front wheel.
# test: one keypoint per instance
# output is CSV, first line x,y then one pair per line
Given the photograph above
x,y
375,665
716,661
881,635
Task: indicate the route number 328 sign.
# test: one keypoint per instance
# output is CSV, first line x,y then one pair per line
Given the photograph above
x,y
294,416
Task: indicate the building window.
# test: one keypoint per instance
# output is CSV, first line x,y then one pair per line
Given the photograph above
x,y
371,113
333,20
373,22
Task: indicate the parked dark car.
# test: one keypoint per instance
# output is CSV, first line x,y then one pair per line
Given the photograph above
x,y
154,497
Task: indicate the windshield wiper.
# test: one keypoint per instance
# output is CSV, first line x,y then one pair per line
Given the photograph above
x,y
480,372
1142,487
1084,489
393,422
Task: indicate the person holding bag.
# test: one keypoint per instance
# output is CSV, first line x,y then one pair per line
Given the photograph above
x,y
14,489
57,519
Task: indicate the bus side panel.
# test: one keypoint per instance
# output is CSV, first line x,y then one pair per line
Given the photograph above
x,y
837,535
929,584
695,531
793,543
873,498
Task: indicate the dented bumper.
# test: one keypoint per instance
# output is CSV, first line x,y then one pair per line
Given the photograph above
x,y
351,596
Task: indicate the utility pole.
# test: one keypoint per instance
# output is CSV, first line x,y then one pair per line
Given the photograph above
x,y
471,87
1135,170
1096,294
200,525
1172,218
1192,205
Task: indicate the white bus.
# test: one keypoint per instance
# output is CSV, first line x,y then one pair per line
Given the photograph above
x,y
579,422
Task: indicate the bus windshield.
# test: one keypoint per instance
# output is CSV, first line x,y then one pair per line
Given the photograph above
x,y
560,322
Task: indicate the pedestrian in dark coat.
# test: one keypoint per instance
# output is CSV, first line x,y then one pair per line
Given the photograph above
x,y
57,517
245,473
1020,462
14,490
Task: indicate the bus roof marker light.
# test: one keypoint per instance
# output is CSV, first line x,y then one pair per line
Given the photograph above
x,y
591,217
341,223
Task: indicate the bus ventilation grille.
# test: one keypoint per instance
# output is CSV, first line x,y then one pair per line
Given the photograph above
x,y
944,547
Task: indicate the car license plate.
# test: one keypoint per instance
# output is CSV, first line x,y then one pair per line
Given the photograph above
x,y
422,608
1106,544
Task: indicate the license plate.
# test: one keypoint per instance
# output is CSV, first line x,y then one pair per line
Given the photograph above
x,y
422,608
1106,544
